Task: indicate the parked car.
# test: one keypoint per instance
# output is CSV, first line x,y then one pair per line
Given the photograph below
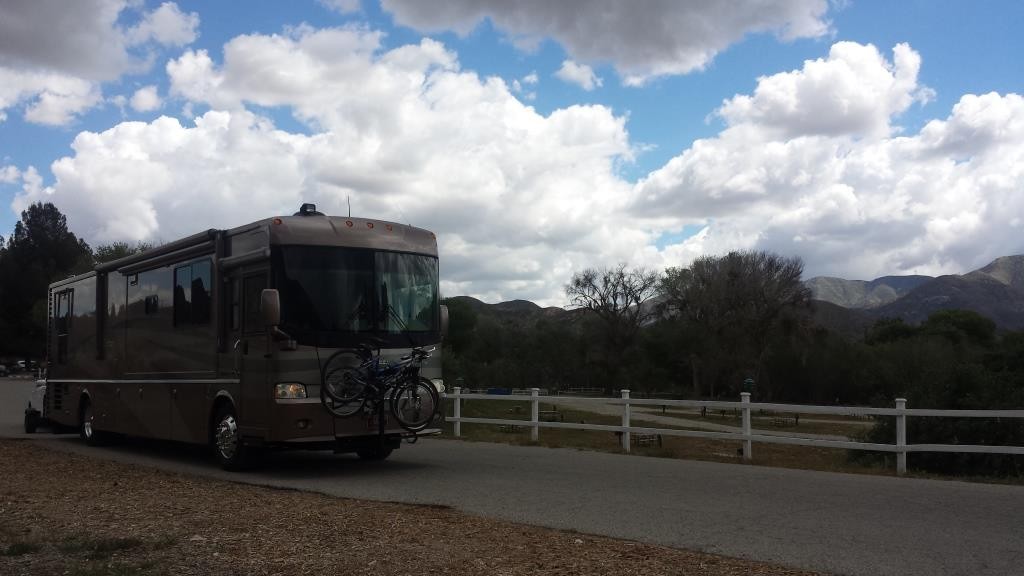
x,y
3,370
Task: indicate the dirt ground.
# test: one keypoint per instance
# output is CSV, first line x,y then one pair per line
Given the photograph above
x,y
64,514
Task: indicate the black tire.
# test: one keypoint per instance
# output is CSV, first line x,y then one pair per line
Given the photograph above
x,y
341,409
374,452
343,386
228,447
86,425
414,404
31,422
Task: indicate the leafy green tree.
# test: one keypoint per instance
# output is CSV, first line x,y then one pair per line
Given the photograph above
x,y
40,251
736,306
118,250
618,298
954,360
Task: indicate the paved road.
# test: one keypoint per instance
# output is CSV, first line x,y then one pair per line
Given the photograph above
x,y
841,523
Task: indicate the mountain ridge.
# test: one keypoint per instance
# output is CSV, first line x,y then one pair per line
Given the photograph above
x,y
995,290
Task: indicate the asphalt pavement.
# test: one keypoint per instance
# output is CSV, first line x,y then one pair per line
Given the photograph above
x,y
839,523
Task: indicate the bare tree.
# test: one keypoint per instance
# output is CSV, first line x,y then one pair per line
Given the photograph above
x,y
618,297
737,303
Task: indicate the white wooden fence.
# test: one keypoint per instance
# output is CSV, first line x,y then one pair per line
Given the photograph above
x,y
746,435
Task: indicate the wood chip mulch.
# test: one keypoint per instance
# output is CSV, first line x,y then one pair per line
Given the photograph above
x,y
66,514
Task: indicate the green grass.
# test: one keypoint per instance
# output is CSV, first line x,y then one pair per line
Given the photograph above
x,y
97,548
100,556
764,454
115,569
20,549
803,457
808,424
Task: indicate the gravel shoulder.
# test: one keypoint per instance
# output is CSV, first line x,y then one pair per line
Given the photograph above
x,y
63,513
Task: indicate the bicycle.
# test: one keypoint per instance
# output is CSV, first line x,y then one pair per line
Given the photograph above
x,y
360,381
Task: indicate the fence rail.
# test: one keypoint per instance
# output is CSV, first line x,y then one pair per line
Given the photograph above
x,y
746,435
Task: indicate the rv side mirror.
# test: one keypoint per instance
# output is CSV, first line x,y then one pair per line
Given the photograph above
x,y
444,321
270,304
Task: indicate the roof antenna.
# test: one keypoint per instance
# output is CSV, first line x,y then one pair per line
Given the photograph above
x,y
348,200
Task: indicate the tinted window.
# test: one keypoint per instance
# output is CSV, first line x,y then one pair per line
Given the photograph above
x,y
182,295
201,288
192,294
253,292
327,289
236,304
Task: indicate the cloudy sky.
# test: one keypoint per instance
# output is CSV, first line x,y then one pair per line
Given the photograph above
x,y
534,137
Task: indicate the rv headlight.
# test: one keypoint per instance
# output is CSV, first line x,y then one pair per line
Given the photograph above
x,y
289,390
439,384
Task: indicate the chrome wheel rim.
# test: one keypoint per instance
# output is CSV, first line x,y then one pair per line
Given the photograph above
x,y
87,421
227,437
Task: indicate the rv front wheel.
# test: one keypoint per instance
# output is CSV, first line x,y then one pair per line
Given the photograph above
x,y
227,440
87,425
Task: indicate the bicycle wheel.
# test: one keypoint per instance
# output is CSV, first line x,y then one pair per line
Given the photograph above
x,y
343,387
414,404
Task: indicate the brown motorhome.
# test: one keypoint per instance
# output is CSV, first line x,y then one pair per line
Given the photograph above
x,y
220,338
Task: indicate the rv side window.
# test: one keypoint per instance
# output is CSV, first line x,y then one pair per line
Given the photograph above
x,y
192,294
201,292
62,323
236,303
253,293
183,295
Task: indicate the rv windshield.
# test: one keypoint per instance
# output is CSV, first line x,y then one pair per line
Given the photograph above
x,y
344,291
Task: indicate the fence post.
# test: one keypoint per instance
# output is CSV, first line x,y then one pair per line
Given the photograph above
x,y
534,413
747,444
901,437
625,422
458,410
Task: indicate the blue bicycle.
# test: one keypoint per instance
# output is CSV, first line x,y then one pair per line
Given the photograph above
x,y
360,380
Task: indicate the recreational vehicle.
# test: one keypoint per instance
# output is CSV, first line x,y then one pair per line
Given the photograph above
x,y
222,338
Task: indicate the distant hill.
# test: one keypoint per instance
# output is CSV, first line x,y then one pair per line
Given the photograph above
x,y
861,293
995,291
516,312
849,307
1008,270
849,322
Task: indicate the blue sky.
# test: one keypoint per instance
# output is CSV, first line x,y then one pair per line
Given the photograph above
x,y
609,171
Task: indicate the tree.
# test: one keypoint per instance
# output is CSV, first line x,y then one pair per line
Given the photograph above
x,y
40,251
735,305
619,299
118,250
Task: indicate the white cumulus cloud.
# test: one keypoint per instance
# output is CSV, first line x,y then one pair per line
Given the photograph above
x,y
650,39
50,98
55,56
166,25
518,199
578,74
853,91
145,99
848,192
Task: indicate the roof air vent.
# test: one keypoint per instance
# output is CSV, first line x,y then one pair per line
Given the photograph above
x,y
308,210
